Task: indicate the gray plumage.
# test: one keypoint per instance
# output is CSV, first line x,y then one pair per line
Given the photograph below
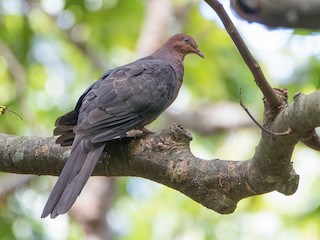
x,y
125,98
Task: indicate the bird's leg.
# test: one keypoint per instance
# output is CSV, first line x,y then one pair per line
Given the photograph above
x,y
143,131
146,131
136,133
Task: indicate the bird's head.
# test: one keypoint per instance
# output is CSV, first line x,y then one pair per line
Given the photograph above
x,y
184,44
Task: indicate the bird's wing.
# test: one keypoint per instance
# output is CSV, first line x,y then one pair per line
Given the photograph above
x,y
129,97
64,125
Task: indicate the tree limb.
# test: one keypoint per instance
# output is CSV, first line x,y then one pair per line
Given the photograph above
x,y
284,13
272,99
165,157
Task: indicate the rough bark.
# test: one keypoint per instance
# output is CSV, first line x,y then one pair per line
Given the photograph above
x,y
284,13
165,157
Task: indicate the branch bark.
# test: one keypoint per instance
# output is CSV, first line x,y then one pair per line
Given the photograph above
x,y
284,13
165,157
272,99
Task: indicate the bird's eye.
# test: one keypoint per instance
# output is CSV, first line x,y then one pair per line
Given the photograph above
x,y
185,40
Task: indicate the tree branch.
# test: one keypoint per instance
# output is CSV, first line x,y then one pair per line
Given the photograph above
x,y
272,99
284,13
165,157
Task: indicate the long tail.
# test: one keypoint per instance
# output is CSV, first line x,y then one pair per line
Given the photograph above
x,y
72,179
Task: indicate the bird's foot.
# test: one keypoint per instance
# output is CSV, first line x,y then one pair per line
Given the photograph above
x,y
146,131
136,133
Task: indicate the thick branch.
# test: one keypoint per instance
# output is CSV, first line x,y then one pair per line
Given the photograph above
x,y
166,158
284,13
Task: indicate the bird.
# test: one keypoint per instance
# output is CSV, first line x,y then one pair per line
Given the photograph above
x,y
124,98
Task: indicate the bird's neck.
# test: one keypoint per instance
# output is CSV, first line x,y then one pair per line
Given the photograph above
x,y
168,52
173,58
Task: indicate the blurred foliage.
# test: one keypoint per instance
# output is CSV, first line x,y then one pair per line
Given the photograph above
x,y
50,51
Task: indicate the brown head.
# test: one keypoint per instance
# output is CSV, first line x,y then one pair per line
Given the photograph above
x,y
183,44
179,46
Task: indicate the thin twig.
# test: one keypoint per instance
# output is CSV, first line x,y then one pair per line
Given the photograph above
x,y
258,124
271,97
3,110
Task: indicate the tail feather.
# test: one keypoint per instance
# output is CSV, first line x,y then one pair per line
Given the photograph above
x,y
76,172
64,128
63,180
75,186
66,139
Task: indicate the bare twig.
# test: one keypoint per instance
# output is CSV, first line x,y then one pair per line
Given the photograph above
x,y
258,124
3,110
227,117
271,97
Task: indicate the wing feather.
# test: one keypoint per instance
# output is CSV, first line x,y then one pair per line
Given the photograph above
x,y
125,99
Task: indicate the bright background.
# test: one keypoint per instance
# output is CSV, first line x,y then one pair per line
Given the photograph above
x,y
51,50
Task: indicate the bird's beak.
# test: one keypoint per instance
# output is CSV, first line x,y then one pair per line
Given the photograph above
x,y
200,54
